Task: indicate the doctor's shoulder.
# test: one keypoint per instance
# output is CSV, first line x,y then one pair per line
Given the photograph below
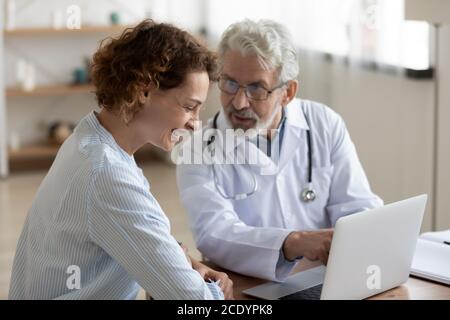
x,y
322,117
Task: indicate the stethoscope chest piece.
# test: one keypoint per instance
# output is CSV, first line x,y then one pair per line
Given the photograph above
x,y
308,194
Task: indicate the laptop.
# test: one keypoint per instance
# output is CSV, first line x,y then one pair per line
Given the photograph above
x,y
371,252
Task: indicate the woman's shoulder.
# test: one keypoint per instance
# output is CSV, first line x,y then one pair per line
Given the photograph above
x,y
98,149
102,154
95,160
95,150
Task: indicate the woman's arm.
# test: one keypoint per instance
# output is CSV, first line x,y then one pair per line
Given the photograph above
x,y
221,278
128,224
209,274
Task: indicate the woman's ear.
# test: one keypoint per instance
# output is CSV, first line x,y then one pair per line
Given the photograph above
x,y
143,96
291,92
125,117
145,93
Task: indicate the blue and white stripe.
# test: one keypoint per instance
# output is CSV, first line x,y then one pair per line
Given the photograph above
x,y
94,211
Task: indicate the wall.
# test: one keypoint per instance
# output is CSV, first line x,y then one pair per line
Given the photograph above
x,y
443,160
3,155
390,119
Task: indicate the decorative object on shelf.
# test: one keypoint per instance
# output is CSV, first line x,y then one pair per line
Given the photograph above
x,y
57,19
80,76
87,65
114,18
202,35
14,141
21,66
59,131
29,82
10,14
26,75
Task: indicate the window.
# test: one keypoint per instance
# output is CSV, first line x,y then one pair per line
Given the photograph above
x,y
368,30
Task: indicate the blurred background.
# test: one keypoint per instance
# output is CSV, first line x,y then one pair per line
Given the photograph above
x,y
384,65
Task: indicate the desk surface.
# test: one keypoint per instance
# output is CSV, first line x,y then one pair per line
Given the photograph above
x,y
413,289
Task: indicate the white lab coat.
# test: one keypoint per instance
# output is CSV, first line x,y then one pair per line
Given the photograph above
x,y
246,236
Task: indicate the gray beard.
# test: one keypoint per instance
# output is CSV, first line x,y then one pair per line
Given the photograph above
x,y
260,125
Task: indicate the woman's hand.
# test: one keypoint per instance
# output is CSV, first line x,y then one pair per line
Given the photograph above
x,y
185,249
224,282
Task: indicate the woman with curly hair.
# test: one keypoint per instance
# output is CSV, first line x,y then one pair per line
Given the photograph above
x,y
94,230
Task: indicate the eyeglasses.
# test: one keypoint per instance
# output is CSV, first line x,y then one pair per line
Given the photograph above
x,y
252,91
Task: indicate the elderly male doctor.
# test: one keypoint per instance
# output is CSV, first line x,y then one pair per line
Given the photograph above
x,y
260,219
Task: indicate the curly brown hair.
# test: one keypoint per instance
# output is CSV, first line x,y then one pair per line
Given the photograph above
x,y
156,53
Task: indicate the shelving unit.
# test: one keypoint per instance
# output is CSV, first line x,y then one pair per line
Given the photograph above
x,y
4,169
53,90
40,154
26,32
34,151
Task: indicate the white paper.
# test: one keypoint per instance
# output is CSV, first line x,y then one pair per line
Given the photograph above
x,y
432,261
439,236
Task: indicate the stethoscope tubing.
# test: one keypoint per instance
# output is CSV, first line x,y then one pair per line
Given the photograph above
x,y
308,194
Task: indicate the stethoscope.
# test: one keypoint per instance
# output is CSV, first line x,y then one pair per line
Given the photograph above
x,y
308,194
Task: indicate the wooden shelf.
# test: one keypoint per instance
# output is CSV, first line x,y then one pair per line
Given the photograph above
x,y
39,151
32,157
50,90
41,156
64,31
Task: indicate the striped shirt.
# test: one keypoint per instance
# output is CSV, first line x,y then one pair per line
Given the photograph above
x,y
95,231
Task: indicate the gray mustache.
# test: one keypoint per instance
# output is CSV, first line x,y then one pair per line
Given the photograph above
x,y
245,113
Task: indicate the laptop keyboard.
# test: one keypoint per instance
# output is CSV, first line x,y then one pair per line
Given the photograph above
x,y
312,293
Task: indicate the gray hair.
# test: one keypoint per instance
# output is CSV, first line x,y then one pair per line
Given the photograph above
x,y
268,40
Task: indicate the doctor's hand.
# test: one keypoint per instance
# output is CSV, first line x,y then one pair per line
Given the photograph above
x,y
225,283
313,245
